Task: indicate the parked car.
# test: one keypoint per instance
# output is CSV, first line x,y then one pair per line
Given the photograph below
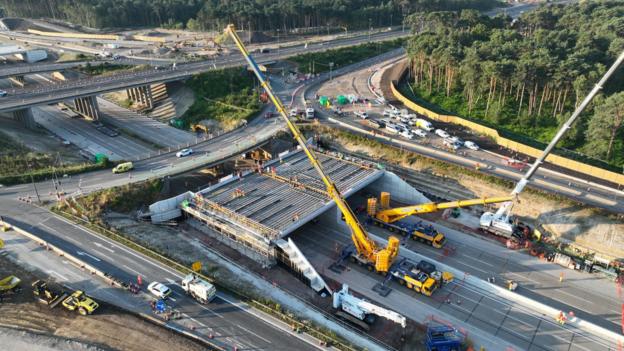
x,y
406,133
392,128
457,140
184,152
419,132
361,114
442,133
159,290
376,123
451,144
471,145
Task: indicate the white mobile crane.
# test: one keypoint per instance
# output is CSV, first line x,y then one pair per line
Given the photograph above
x,y
363,310
501,223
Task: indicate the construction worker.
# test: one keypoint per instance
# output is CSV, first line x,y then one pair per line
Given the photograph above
x,y
561,277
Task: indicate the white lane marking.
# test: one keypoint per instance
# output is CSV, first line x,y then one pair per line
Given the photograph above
x,y
133,270
211,311
172,299
58,275
194,320
523,277
250,332
103,247
473,267
82,253
56,232
103,255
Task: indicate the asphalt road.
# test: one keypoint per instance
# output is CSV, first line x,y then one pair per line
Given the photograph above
x,y
226,318
22,98
580,190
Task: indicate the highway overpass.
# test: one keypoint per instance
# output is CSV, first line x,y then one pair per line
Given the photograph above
x,y
20,99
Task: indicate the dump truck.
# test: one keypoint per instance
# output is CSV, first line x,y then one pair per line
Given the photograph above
x,y
199,289
9,284
79,301
46,294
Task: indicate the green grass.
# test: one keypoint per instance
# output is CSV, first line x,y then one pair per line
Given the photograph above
x,y
106,69
226,96
18,164
318,62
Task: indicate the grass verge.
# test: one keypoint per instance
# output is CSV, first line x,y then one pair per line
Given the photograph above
x,y
318,62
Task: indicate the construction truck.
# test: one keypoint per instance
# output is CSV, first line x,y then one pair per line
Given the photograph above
x,y
360,311
46,294
79,301
443,338
380,214
365,250
199,289
423,277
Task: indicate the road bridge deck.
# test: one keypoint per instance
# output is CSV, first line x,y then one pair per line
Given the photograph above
x,y
290,193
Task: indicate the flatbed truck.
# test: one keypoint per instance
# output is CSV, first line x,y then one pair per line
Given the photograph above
x,y
417,231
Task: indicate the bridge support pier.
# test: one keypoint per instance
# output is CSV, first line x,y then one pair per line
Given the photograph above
x,y
141,96
25,117
18,80
88,107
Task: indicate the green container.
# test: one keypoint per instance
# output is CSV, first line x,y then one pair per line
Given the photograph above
x,y
178,123
101,158
342,100
323,100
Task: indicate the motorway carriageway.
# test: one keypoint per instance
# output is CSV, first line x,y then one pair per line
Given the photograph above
x,y
227,319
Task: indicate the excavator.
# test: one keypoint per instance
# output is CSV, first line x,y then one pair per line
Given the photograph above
x,y
390,218
368,252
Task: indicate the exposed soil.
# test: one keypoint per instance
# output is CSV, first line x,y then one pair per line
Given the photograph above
x,y
582,225
24,321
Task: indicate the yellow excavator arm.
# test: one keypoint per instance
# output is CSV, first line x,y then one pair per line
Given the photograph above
x,y
380,258
396,214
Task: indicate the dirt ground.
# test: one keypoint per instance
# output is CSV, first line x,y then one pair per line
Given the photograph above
x,y
24,321
584,226
40,141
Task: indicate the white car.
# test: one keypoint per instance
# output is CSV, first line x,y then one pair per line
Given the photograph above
x,y
471,145
419,132
361,114
388,113
184,152
406,133
159,290
442,133
457,140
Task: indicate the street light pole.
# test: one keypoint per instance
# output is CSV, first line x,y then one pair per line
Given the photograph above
x,y
331,65
278,42
369,29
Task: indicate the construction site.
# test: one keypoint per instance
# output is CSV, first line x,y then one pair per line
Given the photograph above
x,y
340,222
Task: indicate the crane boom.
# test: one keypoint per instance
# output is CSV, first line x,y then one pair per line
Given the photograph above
x,y
381,258
395,214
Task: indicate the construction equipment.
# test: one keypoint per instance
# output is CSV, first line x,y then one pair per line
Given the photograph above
x,y
390,218
9,284
443,338
199,289
46,294
367,250
501,223
79,301
360,311
423,277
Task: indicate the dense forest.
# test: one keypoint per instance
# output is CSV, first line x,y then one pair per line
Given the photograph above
x,y
526,75
216,14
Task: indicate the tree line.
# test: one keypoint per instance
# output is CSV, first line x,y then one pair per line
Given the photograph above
x,y
246,14
526,75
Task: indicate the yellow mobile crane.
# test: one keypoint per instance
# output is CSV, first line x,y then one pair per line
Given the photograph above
x,y
368,251
390,218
